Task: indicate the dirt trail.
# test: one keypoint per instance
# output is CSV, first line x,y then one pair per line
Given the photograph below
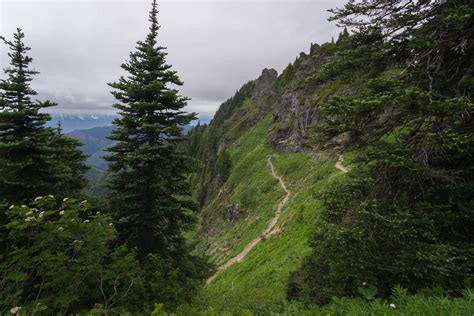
x,y
340,166
268,231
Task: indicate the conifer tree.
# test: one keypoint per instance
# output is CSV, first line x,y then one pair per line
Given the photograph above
x,y
150,192
32,156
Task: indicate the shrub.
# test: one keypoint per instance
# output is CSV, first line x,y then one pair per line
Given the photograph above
x,y
58,259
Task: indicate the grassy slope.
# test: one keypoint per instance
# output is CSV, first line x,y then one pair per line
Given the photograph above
x,y
262,275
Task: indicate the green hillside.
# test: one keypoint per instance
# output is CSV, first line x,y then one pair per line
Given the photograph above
x,y
342,186
377,186
239,206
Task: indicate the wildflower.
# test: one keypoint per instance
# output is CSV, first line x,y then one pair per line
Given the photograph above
x,y
73,220
65,199
24,206
60,229
98,213
61,213
41,214
364,283
392,305
51,196
11,206
83,202
86,221
29,213
15,310
38,198
35,209
111,224
29,219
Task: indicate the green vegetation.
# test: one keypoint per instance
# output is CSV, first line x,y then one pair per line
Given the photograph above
x,y
424,303
60,261
73,257
385,231
404,214
150,194
34,159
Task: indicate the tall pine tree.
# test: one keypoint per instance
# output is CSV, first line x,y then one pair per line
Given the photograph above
x,y
150,190
34,160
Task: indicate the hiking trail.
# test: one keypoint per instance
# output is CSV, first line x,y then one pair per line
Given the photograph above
x,y
339,165
268,231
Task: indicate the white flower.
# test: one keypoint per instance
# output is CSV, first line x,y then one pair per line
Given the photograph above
x,y
111,224
11,206
364,283
29,219
51,196
86,221
65,199
72,220
41,214
392,305
60,229
38,198
24,206
29,213
15,309
35,209
61,213
98,213
84,202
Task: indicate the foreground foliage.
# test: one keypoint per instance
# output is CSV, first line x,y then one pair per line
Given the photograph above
x,y
404,214
34,160
426,302
59,260
150,199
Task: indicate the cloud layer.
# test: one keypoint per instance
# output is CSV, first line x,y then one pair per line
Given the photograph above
x,y
215,46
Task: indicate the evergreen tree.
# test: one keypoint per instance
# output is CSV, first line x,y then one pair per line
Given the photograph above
x,y
34,160
70,168
150,191
404,213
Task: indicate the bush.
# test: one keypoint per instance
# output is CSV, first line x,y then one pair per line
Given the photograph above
x,y
58,259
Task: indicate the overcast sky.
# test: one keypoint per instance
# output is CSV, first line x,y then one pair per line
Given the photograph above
x,y
215,46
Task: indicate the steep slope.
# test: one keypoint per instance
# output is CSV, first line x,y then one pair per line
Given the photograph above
x,y
268,117
267,232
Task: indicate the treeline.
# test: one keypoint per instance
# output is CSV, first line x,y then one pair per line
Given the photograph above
x,y
61,254
404,214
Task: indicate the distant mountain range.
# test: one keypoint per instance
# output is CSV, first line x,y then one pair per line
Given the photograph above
x,y
93,131
72,122
75,122
95,142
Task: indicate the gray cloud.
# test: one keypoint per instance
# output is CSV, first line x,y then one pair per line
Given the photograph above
x,y
215,46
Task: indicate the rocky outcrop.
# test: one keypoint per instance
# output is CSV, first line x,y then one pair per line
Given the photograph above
x,y
263,85
295,110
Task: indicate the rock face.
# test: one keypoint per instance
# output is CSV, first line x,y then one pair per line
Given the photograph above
x,y
263,85
289,98
295,110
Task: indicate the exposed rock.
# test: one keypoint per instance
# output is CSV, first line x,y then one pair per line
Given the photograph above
x,y
264,82
295,110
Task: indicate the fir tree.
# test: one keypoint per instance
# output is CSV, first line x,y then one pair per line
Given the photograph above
x,y
404,213
34,159
70,168
150,192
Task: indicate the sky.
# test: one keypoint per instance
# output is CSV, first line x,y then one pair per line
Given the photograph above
x,y
216,46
